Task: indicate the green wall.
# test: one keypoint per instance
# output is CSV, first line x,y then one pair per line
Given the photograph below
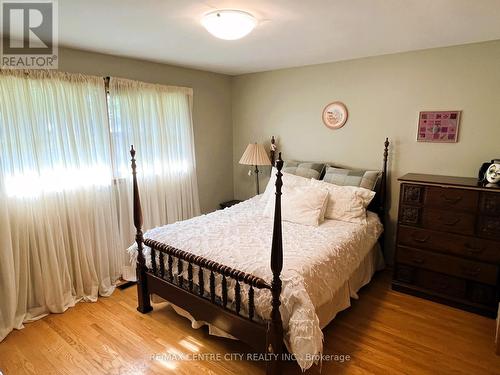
x,y
384,96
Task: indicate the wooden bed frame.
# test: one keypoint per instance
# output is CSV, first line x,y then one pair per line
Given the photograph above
x,y
265,337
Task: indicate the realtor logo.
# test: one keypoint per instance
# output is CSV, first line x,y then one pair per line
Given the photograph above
x,y
29,34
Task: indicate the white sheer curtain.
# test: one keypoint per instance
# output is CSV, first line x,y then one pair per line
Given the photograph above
x,y
65,189
59,238
157,121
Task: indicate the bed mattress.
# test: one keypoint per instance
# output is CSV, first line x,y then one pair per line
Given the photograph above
x,y
322,266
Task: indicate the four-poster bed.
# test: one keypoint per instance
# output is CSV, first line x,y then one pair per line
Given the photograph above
x,y
189,281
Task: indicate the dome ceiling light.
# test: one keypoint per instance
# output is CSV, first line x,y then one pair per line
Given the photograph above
x,y
229,24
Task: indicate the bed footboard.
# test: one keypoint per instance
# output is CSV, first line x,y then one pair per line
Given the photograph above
x,y
167,278
238,320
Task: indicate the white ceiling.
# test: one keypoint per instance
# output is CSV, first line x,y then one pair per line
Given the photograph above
x,y
290,32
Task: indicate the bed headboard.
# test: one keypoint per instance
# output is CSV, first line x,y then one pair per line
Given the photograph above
x,y
378,204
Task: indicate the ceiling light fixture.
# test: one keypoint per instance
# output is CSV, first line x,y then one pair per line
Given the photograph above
x,y
229,24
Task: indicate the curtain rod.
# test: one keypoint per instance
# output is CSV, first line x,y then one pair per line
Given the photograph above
x,y
189,90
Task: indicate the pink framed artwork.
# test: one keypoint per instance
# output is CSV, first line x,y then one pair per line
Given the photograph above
x,y
438,126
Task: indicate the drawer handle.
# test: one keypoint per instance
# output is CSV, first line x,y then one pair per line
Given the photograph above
x,y
421,239
443,285
418,260
469,272
473,249
450,200
449,222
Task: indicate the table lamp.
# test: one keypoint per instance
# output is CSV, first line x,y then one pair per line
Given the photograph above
x,y
255,154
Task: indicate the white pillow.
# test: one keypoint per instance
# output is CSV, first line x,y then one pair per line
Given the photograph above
x,y
345,203
289,180
300,204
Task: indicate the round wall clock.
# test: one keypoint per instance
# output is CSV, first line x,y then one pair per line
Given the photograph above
x,y
335,115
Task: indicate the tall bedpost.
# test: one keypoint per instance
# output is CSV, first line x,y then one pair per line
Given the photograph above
x,y
144,303
274,345
383,191
272,152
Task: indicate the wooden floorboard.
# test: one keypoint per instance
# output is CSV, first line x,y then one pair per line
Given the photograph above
x,y
385,332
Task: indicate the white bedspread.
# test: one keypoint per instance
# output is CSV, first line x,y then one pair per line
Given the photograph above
x,y
317,261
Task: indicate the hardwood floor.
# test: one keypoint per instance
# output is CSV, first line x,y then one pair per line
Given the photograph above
x,y
385,332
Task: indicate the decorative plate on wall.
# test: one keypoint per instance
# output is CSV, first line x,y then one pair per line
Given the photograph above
x,y
335,115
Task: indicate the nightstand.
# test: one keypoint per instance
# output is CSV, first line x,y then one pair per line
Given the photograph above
x,y
229,203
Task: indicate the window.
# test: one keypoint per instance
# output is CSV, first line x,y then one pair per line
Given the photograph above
x,y
63,142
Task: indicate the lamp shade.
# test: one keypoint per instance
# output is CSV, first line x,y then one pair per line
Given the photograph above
x,y
255,154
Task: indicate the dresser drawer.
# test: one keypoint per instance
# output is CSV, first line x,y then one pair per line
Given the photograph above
x,y
447,221
451,288
410,215
482,294
470,247
489,227
449,198
467,269
412,194
438,282
434,281
490,204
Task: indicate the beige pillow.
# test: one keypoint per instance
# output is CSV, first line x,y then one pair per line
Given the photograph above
x,y
289,180
345,203
300,204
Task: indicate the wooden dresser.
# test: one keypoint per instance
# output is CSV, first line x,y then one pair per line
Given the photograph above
x,y
448,242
